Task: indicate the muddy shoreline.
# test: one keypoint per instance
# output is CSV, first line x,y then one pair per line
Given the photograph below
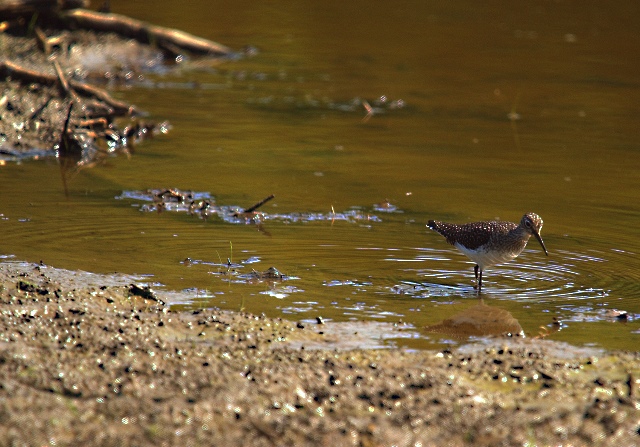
x,y
86,360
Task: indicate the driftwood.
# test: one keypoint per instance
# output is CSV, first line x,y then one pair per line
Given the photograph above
x,y
71,14
15,71
143,32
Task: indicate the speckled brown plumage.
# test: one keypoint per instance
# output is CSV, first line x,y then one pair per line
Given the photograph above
x,y
473,235
492,242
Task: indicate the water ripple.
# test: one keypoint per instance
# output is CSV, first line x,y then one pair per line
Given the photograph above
x,y
569,275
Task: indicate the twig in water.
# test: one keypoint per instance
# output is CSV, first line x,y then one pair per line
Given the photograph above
x,y
259,204
369,110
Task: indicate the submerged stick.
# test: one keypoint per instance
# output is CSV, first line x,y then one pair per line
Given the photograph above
x,y
259,204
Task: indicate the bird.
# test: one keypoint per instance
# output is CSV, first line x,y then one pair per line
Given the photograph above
x,y
491,242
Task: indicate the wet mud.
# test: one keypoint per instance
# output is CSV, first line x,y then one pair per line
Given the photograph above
x,y
99,360
37,98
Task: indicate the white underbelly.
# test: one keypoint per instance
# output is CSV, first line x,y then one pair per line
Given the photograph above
x,y
487,258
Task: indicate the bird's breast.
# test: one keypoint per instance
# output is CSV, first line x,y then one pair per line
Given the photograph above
x,y
486,257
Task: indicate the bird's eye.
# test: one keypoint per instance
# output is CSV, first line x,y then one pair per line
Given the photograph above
x,y
527,223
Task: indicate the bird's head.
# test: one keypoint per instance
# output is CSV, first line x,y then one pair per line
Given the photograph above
x,y
532,224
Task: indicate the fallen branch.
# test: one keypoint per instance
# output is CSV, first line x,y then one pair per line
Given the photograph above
x,y
143,32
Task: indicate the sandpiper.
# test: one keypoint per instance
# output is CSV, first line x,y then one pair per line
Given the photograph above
x,y
491,243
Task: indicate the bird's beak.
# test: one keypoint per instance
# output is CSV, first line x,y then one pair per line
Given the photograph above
x,y
535,233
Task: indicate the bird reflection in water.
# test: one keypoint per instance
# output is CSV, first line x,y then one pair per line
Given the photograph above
x,y
479,320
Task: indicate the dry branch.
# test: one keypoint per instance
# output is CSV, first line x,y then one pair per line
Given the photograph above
x,y
143,32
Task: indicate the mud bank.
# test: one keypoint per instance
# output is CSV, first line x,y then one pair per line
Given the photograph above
x,y
89,360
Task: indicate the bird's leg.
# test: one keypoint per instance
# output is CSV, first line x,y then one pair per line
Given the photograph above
x,y
480,281
475,270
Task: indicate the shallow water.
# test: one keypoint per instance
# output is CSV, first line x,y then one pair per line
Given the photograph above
x,y
491,110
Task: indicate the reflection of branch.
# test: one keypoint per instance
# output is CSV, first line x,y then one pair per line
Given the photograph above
x,y
143,32
9,69
65,131
66,156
